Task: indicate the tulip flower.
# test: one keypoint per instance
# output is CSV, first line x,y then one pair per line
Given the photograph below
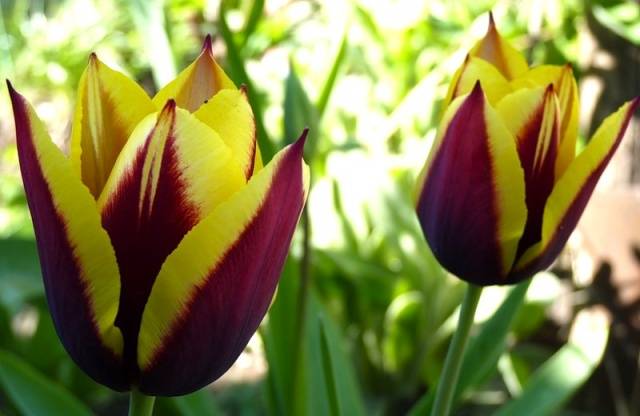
x,y
502,189
161,237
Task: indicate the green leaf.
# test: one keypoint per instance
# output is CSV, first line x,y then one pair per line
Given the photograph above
x,y
333,75
254,18
561,376
149,19
239,75
34,394
484,350
329,373
299,113
20,277
295,376
195,404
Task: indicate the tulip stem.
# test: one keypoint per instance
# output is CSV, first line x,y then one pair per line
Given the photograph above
x,y
140,405
449,376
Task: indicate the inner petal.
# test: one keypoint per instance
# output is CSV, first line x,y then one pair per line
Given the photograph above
x,y
532,115
173,171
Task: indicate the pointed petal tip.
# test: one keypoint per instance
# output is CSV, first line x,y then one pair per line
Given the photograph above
x,y
492,23
477,91
207,44
298,145
170,106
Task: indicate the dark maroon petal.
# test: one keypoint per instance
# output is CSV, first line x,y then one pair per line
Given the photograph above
x,y
144,236
66,292
226,310
538,149
579,201
456,207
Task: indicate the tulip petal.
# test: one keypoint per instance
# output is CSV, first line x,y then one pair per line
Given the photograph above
x,y
79,266
572,192
230,115
172,172
474,70
215,288
197,83
109,106
472,202
565,86
497,51
531,115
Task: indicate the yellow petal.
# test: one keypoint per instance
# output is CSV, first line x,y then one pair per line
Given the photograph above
x,y
572,192
494,84
229,248
230,115
497,51
109,106
566,89
197,83
65,216
206,170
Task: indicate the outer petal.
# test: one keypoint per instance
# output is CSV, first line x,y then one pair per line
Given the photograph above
x,y
472,203
197,83
494,49
572,192
173,171
565,86
215,288
109,106
230,115
473,70
531,115
79,267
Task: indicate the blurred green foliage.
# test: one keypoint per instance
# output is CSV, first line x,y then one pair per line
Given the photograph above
x,y
363,313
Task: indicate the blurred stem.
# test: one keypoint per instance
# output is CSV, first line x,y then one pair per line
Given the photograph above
x,y
451,371
301,307
140,405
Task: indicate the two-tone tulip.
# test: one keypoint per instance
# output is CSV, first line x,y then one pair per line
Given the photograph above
x,y
502,188
161,237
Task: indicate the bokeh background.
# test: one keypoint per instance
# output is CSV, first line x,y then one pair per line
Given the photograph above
x,y
363,314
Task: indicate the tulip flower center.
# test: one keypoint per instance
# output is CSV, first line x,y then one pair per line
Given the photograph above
x,y
146,218
538,151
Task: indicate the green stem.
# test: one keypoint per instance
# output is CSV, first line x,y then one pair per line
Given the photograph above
x,y
451,371
140,405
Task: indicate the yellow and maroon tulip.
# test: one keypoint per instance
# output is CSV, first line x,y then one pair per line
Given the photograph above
x,y
502,188
162,236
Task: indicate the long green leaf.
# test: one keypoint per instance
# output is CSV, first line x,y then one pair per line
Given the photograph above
x,y
255,13
239,75
149,19
32,393
484,350
560,376
329,373
333,75
299,113
194,404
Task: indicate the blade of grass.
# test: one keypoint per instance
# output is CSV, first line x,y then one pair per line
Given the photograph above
x,y
327,88
240,76
149,19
